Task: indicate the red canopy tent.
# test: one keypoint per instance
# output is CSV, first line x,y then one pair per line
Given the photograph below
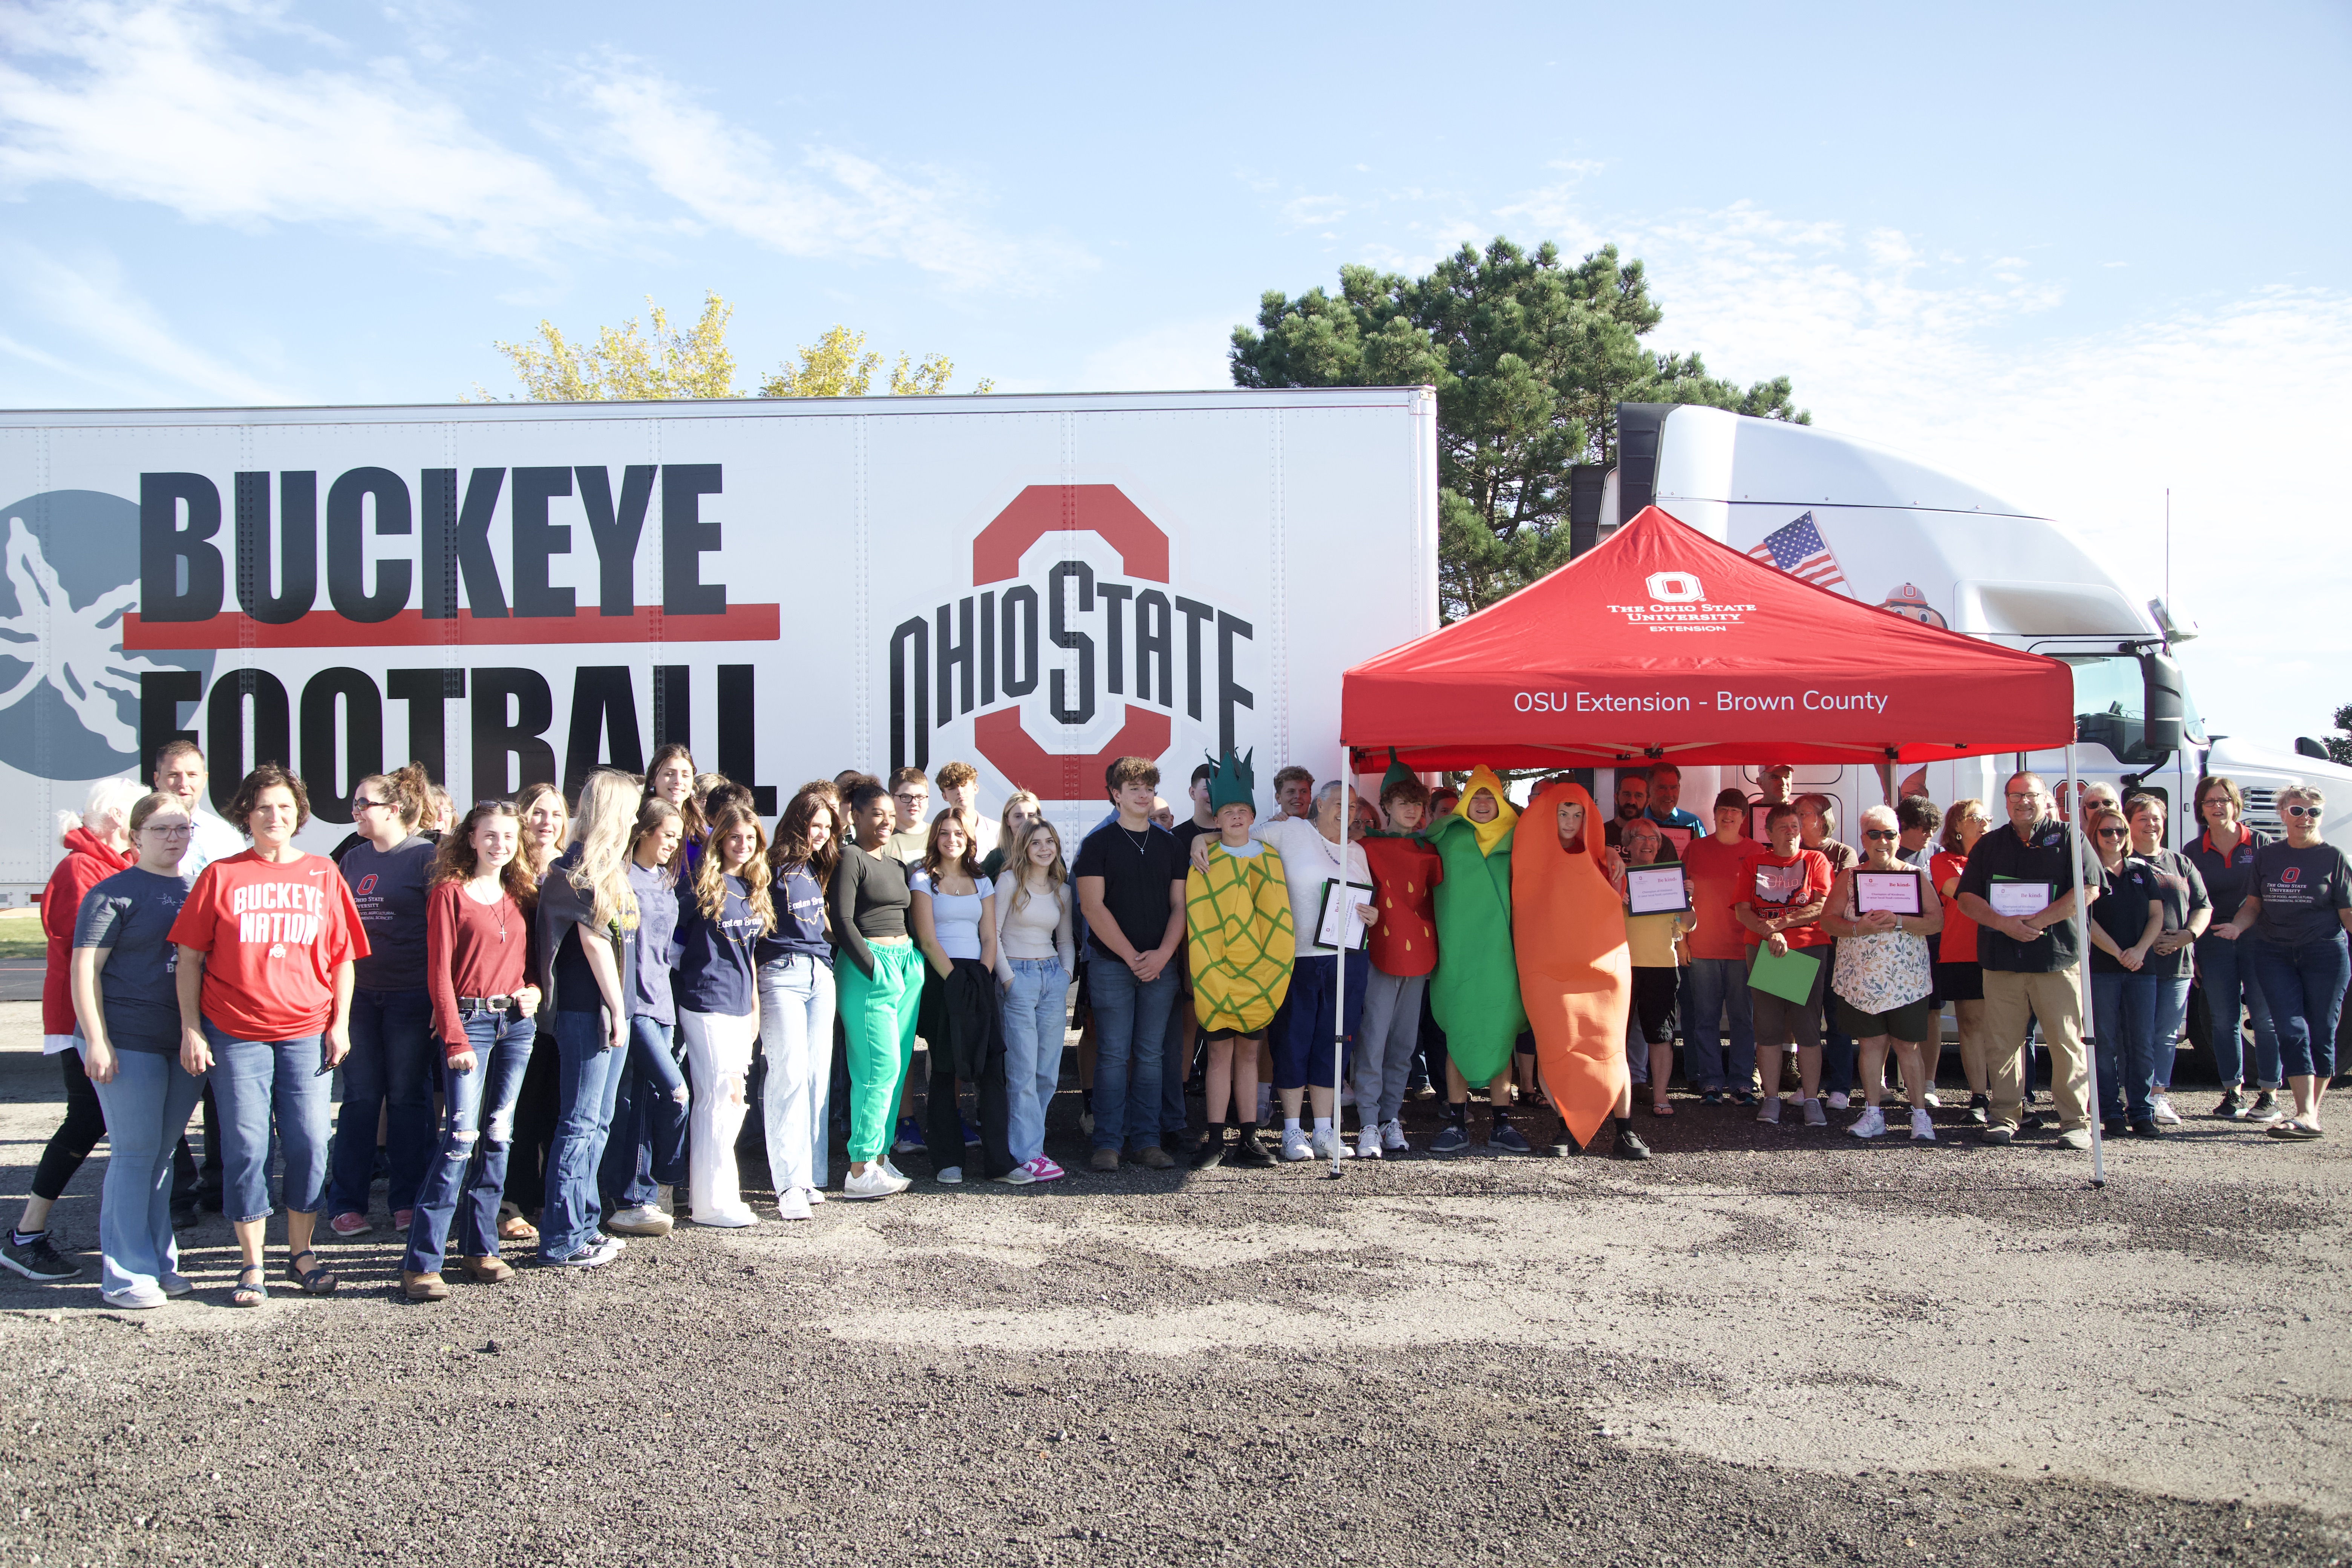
x,y
1663,645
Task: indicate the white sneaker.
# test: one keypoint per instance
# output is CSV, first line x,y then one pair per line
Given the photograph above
x,y
949,1175
792,1204
2160,1107
1348,1097
1935,1101
814,1194
1087,1122
1814,1115
1329,1144
1368,1143
1871,1123
896,1174
1770,1110
1922,1129
176,1285
1837,1101
138,1298
874,1182
1393,1137
1294,1144
1019,1176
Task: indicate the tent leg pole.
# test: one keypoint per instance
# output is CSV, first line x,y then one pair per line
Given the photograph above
x,y
2078,844
1339,958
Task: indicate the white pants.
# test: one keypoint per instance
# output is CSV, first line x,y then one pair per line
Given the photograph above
x,y
796,1035
719,1058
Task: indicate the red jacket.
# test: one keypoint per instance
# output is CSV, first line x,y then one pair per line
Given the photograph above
x,y
89,861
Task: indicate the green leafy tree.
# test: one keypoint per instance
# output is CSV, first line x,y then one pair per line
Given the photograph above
x,y
2339,746
630,361
1531,356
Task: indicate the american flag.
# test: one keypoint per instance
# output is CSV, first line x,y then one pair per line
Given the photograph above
x,y
1799,549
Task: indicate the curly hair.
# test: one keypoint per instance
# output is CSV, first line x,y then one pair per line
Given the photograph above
x,y
268,775
458,861
710,877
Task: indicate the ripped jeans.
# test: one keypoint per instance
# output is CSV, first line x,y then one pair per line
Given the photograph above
x,y
469,1173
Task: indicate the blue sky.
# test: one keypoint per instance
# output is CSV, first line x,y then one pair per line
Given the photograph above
x,y
2072,254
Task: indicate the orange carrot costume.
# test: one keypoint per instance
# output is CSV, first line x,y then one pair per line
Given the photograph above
x,y
1576,974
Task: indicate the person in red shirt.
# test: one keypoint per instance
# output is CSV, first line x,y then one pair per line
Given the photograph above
x,y
1403,950
1787,887
1959,979
481,976
267,942
1715,987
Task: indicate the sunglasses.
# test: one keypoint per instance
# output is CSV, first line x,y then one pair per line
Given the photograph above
x,y
2115,833
1879,832
362,804
2299,811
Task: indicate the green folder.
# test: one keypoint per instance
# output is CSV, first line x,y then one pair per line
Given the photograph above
x,y
1789,977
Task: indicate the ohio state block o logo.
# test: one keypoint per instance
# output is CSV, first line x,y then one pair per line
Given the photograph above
x,y
1675,588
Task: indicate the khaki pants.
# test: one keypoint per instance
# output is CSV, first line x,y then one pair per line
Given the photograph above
x,y
2010,1002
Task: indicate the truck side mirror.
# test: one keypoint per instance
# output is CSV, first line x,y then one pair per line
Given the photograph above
x,y
2161,687
2304,746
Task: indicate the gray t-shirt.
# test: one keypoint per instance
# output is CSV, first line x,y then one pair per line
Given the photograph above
x,y
131,913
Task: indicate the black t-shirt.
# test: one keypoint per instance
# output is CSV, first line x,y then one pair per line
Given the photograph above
x,y
2229,871
2181,886
1136,869
388,890
2301,890
1999,855
2122,914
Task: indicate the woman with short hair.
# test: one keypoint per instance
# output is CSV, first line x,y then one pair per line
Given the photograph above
x,y
390,1070
2298,910
2224,856
953,912
586,911
127,1003
1960,978
481,973
2158,994
1881,977
267,941
723,910
2124,923
97,846
796,998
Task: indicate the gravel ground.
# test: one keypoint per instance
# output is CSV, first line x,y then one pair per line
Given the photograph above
x,y
1764,1346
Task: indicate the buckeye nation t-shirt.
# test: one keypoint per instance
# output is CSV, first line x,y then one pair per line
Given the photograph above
x,y
271,934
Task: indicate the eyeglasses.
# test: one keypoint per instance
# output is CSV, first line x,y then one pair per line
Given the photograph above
x,y
2299,811
2115,833
2022,795
1880,833
182,831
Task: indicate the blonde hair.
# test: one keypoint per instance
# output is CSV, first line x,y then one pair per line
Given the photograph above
x,y
603,830
1056,875
1005,819
109,799
710,877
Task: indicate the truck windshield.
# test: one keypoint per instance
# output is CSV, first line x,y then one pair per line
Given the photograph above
x,y
2110,705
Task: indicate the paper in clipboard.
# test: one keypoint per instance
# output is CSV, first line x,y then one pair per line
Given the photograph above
x,y
1656,889
1334,909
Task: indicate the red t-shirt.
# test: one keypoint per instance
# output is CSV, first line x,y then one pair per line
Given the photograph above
x,y
1719,878
1958,942
470,950
1774,883
1403,872
271,934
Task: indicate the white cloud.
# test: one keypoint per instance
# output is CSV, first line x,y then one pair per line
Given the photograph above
x,y
123,343
154,103
1179,356
1310,212
830,203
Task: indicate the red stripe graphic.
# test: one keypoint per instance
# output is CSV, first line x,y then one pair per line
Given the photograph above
x,y
409,628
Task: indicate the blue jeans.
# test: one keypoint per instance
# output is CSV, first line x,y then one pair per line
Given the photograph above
x,y
1841,1057
1174,1120
647,1148
252,1081
147,1107
1711,988
588,1077
796,1007
390,1068
2305,986
1302,1053
1035,1029
2167,1006
462,1187
2225,974
1131,1046
2122,1014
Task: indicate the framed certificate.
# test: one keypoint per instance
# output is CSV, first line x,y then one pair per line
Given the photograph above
x,y
1896,892
1757,811
1656,889
1680,838
1336,908
2018,899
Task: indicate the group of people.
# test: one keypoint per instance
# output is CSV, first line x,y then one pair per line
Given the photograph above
x,y
594,990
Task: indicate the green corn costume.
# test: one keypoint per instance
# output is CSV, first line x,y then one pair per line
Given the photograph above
x,y
1474,993
1237,919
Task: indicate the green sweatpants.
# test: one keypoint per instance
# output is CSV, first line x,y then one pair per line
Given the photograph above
x,y
878,1016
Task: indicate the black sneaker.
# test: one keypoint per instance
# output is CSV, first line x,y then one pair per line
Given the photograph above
x,y
1980,1110
2232,1106
1629,1146
1564,1146
2144,1130
1506,1140
1712,1097
186,1218
1249,1153
2114,1127
1208,1151
2265,1108
1450,1140
35,1258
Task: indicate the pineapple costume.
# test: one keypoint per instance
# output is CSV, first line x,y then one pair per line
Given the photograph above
x,y
1237,922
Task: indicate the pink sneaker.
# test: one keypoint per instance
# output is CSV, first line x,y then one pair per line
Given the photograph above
x,y
1045,1170
401,1218
349,1225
